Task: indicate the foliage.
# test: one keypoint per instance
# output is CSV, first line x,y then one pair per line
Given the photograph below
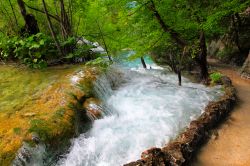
x,y
117,25
100,61
215,77
36,50
81,51
226,53
33,50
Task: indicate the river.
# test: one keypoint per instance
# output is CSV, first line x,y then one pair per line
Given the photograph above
x,y
143,108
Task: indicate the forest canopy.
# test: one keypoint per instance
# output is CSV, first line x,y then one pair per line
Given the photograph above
x,y
42,32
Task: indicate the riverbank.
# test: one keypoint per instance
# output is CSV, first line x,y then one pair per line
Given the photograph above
x,y
230,143
37,107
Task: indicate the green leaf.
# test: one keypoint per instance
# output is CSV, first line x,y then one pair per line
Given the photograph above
x,y
69,56
42,42
34,46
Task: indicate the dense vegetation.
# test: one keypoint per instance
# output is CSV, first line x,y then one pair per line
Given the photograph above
x,y
175,32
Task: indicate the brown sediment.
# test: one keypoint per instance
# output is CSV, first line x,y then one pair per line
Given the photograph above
x,y
231,145
182,149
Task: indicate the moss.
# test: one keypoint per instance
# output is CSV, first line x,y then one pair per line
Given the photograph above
x,y
41,128
17,130
37,102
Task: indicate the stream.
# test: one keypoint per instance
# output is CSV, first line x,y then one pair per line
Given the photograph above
x,y
143,108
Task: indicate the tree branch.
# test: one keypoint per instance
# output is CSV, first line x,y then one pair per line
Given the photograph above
x,y
38,10
174,35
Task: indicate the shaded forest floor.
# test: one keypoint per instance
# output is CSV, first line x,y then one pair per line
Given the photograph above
x,y
230,143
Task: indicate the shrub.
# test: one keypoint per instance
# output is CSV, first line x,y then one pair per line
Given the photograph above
x,y
32,51
36,50
216,77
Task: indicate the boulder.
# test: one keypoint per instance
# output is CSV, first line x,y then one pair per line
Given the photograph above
x,y
245,70
93,108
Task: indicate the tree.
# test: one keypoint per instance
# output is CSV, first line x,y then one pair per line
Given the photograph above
x,y
186,23
53,34
31,26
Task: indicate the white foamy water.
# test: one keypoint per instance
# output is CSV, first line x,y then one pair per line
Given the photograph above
x,y
146,108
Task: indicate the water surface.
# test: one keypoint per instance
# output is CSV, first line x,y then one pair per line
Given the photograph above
x,y
145,108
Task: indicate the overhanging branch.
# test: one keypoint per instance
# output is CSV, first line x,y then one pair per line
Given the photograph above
x,y
38,10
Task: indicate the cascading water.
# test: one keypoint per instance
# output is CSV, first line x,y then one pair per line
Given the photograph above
x,y
145,108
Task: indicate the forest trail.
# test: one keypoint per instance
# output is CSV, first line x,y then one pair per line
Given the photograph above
x,y
231,145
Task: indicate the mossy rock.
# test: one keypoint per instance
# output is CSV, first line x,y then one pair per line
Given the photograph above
x,y
43,107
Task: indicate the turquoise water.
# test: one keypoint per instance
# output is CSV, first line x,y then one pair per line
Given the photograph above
x,y
123,60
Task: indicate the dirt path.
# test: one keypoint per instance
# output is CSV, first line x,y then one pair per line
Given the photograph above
x,y
231,145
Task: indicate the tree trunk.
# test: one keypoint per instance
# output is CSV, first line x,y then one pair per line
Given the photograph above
x,y
65,23
179,76
104,42
202,58
143,63
31,26
53,34
55,17
174,35
13,11
235,25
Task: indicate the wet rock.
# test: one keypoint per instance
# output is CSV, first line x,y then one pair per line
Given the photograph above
x,y
29,114
245,70
28,155
153,156
35,138
93,108
226,81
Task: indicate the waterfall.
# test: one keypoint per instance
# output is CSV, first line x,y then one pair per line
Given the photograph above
x,y
143,108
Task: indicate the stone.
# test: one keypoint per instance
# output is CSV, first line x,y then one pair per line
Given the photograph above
x,y
30,114
93,108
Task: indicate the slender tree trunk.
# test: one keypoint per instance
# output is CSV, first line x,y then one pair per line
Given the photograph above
x,y
22,8
104,42
202,58
55,17
65,26
238,19
13,11
6,14
53,34
179,76
235,25
65,23
70,11
143,63
31,26
174,35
